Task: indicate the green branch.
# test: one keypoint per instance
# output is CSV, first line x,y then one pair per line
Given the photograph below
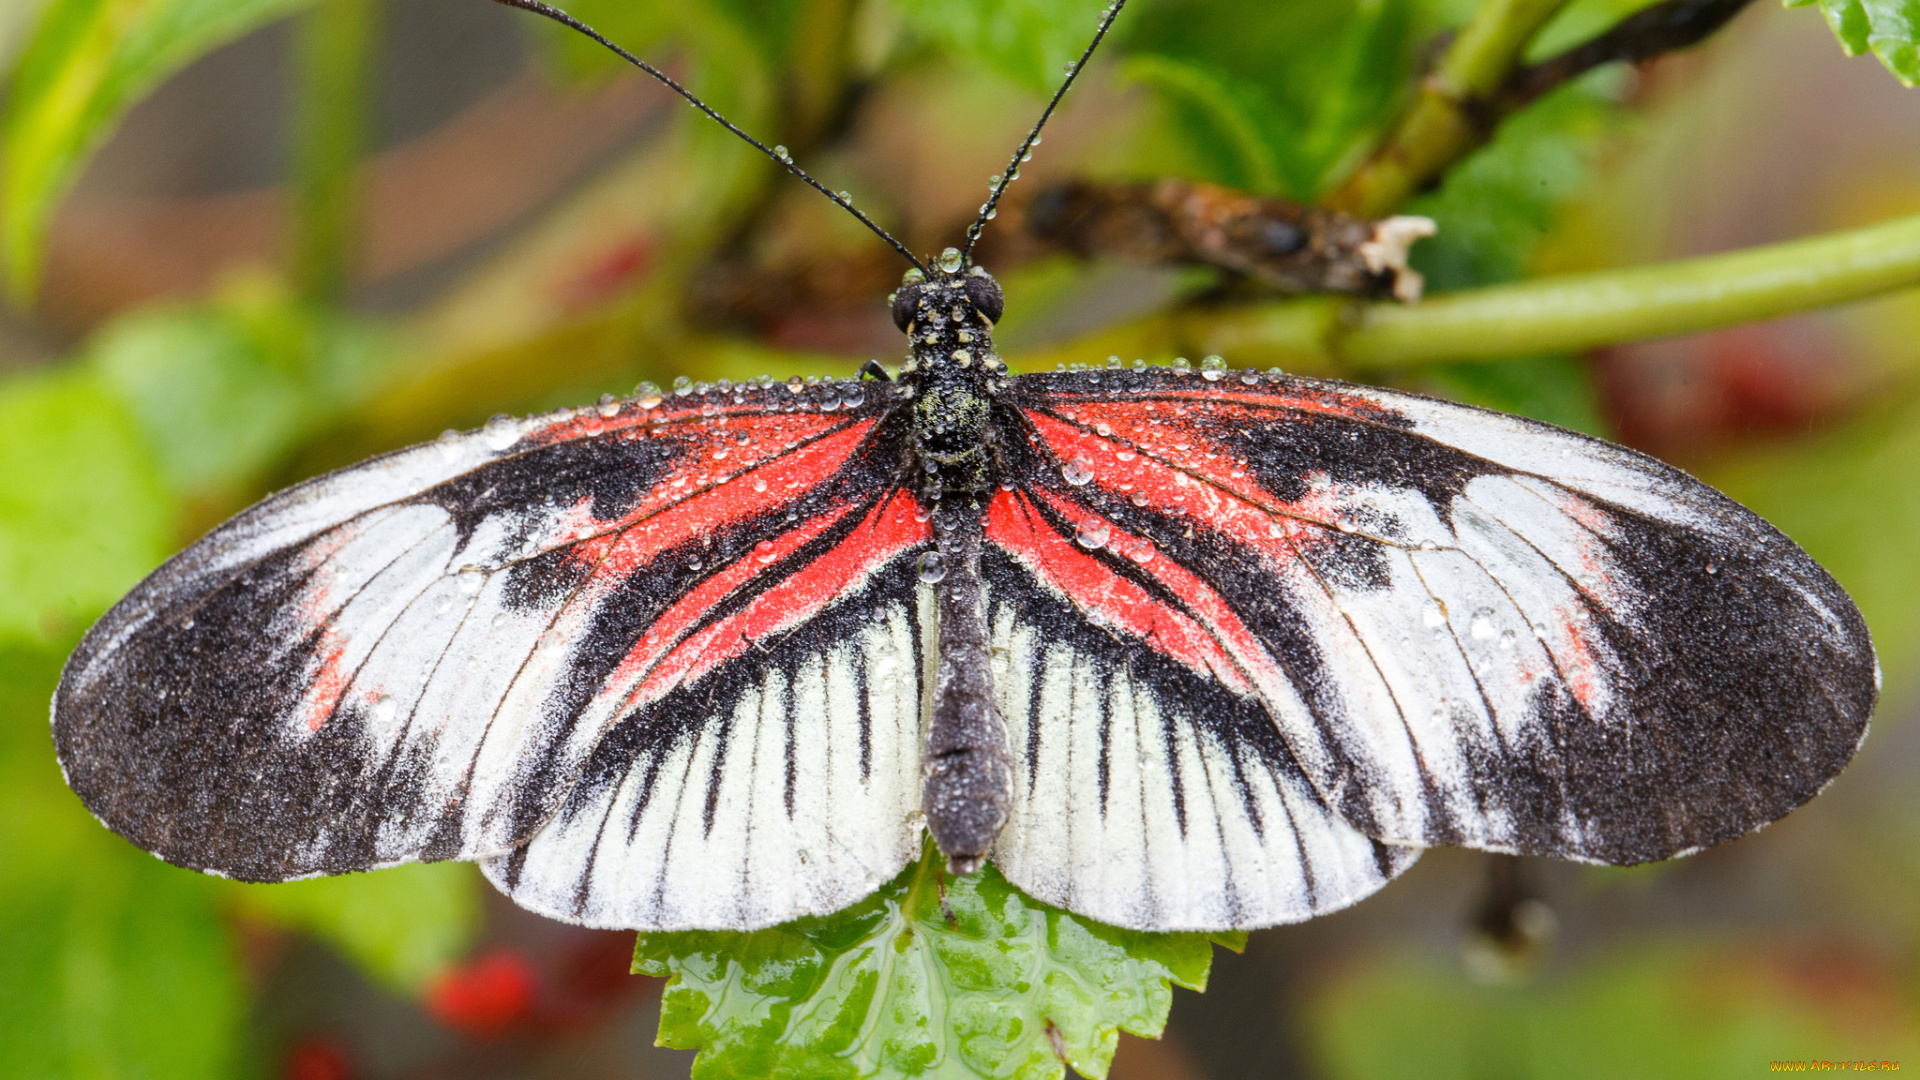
x,y
1442,124
335,49
1568,313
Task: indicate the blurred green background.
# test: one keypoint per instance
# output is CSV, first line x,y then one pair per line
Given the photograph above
x,y
251,240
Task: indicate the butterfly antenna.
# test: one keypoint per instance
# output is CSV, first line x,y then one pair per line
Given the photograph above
x,y
1026,147
564,19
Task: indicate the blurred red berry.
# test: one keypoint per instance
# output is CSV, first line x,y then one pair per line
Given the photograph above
x,y
317,1059
486,998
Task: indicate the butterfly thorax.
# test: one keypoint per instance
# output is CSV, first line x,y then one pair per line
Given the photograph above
x,y
954,375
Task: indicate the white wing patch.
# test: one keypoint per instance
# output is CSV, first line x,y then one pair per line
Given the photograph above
x,y
1149,798
798,798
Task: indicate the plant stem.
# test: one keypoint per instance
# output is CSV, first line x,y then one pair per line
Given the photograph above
x,y
1443,124
332,70
1568,313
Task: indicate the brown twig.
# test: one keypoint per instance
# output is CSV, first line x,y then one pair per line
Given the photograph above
x,y
1284,244
1647,33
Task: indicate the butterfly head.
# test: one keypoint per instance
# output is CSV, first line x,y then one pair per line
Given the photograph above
x,y
955,295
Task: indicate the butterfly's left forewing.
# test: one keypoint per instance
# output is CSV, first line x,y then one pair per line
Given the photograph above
x,y
414,658
1467,628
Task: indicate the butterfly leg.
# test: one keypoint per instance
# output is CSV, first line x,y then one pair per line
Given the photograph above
x,y
967,779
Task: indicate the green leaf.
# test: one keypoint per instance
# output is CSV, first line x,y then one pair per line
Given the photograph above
x,y
223,389
1890,28
1660,1008
402,926
1219,109
931,976
112,964
1028,41
83,511
87,63
1318,81
1497,205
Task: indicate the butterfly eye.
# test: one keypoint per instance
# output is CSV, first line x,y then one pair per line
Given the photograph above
x,y
904,302
984,294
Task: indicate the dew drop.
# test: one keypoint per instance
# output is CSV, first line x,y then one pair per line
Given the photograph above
x,y
1093,534
1124,455
782,153
1712,569
470,581
1507,639
682,386
1212,367
764,551
1141,552
649,402
1138,498
609,405
499,620
1480,626
759,485
501,432
932,567
1432,617
1345,526
950,260
1077,472
693,564
1181,365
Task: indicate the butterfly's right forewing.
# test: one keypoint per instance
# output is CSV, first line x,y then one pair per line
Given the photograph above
x,y
414,658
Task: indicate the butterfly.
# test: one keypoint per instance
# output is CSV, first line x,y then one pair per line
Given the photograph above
x,y
1173,648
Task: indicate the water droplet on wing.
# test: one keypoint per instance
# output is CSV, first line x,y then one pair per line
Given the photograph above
x,y
932,567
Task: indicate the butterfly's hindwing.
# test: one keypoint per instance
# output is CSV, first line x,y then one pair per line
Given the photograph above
x,y
782,781
413,658
1152,787
1471,628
